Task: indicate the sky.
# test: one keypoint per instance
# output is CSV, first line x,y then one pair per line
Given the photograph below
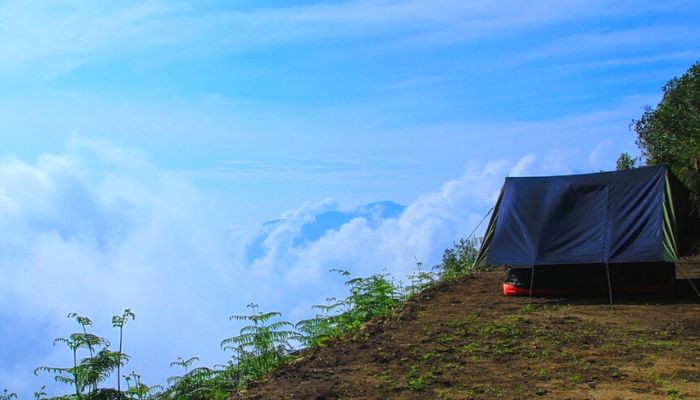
x,y
184,159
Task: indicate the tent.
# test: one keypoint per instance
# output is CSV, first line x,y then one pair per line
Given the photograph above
x,y
614,231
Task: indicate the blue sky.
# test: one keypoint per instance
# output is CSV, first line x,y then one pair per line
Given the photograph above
x,y
145,144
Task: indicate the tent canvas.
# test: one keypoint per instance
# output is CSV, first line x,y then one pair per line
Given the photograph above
x,y
637,218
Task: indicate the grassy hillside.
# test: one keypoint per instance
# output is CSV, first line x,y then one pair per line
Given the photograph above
x,y
464,340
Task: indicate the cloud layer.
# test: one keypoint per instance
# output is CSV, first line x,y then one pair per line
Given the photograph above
x,y
78,240
98,228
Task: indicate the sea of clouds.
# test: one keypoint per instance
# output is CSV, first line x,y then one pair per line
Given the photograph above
x,y
99,228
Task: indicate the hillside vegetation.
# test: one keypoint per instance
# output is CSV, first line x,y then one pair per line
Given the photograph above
x,y
450,334
264,343
463,340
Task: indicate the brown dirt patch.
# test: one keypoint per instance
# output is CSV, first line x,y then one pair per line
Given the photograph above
x,y
464,340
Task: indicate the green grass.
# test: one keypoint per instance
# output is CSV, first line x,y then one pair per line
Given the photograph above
x,y
575,379
527,308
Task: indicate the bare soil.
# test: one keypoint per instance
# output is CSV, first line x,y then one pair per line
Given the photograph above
x,y
464,340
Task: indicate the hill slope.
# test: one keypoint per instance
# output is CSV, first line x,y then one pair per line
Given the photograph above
x,y
463,340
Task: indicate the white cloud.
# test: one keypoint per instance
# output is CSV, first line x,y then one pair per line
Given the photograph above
x,y
614,40
688,56
427,226
71,33
600,155
523,165
95,244
557,162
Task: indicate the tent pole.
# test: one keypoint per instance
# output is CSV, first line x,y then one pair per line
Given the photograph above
x,y
694,287
692,284
532,280
607,270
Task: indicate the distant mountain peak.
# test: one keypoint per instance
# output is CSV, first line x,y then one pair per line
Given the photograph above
x,y
312,230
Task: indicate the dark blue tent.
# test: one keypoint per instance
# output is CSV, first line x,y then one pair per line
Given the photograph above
x,y
635,220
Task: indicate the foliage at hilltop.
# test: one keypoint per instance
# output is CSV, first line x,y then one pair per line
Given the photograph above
x,y
625,161
670,132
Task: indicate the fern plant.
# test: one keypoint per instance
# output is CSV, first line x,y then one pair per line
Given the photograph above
x,y
260,346
192,382
199,383
315,331
118,321
374,296
40,394
138,390
184,364
88,372
418,281
5,395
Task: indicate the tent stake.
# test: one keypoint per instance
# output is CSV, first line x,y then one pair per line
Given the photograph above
x,y
607,270
532,280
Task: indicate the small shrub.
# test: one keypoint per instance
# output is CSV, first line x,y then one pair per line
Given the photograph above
x,y
419,281
459,260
